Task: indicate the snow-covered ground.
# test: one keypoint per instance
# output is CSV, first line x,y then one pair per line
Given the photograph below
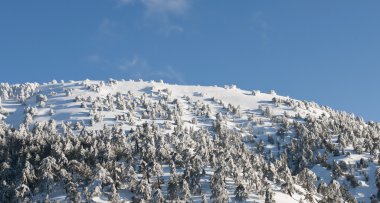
x,y
67,110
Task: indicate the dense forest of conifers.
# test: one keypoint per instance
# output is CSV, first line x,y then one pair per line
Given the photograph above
x,y
161,159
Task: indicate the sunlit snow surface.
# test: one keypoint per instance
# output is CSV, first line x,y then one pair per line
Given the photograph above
x,y
67,110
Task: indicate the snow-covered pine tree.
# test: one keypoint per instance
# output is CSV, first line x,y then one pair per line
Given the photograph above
x,y
241,194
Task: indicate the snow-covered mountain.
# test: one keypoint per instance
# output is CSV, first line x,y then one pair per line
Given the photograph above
x,y
151,141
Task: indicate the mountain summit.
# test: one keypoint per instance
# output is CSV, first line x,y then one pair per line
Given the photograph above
x,y
137,141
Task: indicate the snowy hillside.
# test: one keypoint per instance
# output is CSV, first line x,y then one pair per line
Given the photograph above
x,y
115,141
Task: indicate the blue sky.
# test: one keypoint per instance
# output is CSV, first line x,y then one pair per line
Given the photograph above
x,y
323,51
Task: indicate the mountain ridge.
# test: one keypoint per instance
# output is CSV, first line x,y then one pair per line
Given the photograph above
x,y
285,150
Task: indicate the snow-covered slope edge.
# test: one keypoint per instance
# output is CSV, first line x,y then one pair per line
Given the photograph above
x,y
128,140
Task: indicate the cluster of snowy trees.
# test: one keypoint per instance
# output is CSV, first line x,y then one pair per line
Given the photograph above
x,y
92,163
38,158
318,140
19,92
166,158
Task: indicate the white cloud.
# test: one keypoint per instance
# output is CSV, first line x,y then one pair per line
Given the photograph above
x,y
134,64
125,2
154,7
139,68
166,7
107,28
94,58
170,73
162,13
260,25
258,19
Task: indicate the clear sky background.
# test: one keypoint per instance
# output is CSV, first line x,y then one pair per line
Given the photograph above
x,y
323,51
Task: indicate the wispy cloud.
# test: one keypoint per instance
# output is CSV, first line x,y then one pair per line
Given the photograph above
x,y
107,28
160,6
162,13
166,7
260,25
136,68
139,68
134,64
93,58
110,29
125,2
170,73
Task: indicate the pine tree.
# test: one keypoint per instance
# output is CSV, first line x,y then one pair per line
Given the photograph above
x,y
23,192
309,198
173,187
97,191
307,178
241,194
333,193
157,197
114,197
269,196
185,190
336,170
218,187
219,194
143,190
28,174
87,195
72,192
47,170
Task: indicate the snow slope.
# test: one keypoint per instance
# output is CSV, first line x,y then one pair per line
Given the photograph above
x,y
67,110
